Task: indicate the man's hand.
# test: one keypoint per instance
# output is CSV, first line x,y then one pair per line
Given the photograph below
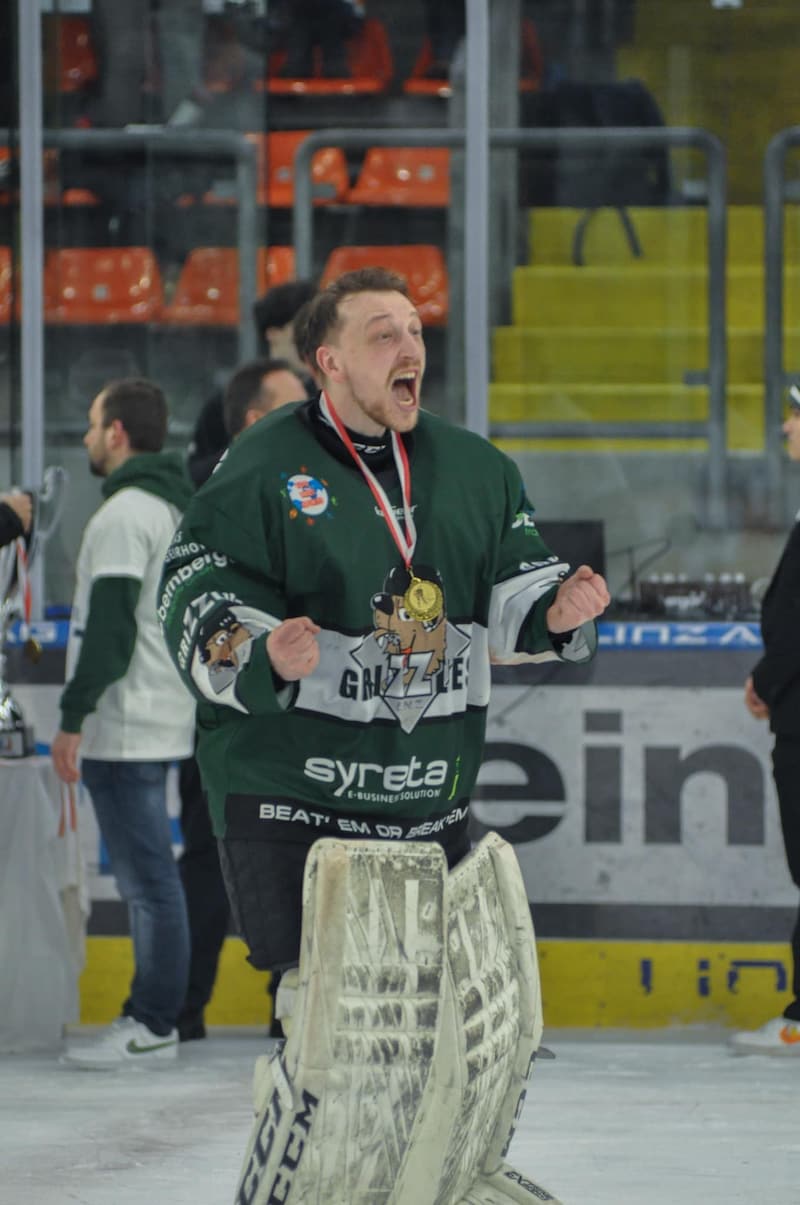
x,y
22,506
64,752
293,649
754,704
580,598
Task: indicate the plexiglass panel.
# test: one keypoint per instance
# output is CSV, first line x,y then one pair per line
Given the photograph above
x,y
627,279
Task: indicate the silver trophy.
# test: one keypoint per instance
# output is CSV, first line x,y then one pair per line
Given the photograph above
x,y
16,559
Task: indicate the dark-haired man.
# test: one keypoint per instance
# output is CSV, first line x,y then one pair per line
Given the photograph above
x,y
254,390
772,693
340,720
290,516
273,315
304,352
125,710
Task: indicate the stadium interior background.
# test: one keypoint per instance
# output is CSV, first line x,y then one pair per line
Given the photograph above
x,y
643,329
600,301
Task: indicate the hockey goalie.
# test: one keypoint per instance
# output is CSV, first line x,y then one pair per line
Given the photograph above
x,y
414,1025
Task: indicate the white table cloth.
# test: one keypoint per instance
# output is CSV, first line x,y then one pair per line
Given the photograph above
x,y
43,905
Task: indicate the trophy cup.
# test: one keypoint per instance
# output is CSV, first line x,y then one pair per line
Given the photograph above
x,y
16,737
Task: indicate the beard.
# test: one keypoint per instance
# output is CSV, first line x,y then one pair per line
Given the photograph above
x,y
384,415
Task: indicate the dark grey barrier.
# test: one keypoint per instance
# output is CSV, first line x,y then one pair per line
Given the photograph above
x,y
775,376
713,428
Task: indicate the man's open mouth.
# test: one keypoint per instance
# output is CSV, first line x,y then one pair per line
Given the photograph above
x,y
404,387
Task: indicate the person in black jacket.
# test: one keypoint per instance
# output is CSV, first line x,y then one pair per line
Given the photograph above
x,y
16,512
300,26
273,314
254,390
772,692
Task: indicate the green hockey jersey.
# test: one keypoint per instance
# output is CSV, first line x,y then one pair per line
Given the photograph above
x,y
385,737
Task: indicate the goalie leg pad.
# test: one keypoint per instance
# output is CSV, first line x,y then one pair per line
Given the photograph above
x,y
493,1018
285,998
343,1103
507,1187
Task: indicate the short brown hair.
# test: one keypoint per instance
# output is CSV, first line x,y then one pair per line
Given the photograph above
x,y
279,304
322,317
305,353
141,407
244,389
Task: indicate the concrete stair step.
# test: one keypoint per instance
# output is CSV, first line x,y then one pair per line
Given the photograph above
x,y
642,294
669,235
609,354
692,23
581,403
712,29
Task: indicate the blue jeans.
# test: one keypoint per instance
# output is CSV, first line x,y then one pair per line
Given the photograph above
x,y
129,799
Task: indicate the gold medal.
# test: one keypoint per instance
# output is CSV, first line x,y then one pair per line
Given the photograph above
x,y
32,649
423,599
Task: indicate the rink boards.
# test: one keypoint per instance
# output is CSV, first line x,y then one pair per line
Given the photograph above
x,y
638,795
614,984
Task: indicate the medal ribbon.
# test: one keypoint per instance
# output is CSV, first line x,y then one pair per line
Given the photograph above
x,y
406,540
24,581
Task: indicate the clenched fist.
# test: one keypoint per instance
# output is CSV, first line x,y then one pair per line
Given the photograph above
x,y
293,649
753,701
22,506
580,598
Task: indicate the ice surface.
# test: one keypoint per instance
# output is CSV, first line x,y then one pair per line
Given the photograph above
x,y
615,1119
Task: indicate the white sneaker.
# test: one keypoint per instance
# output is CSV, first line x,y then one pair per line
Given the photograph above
x,y
126,1043
778,1036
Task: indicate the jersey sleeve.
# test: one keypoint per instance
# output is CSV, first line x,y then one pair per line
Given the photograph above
x,y
219,601
527,577
107,644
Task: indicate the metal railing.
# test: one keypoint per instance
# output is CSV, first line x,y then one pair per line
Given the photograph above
x,y
776,377
713,428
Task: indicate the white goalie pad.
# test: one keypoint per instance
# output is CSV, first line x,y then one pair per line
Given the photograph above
x,y
344,1105
416,1020
507,1187
493,1015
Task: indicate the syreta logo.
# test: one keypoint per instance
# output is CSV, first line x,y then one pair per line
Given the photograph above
x,y
360,776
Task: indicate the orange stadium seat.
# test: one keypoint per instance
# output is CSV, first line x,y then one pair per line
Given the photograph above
x,y
275,172
403,176
207,293
79,196
421,264
76,61
370,54
276,169
5,175
532,66
102,285
275,267
369,59
6,285
51,181
418,83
